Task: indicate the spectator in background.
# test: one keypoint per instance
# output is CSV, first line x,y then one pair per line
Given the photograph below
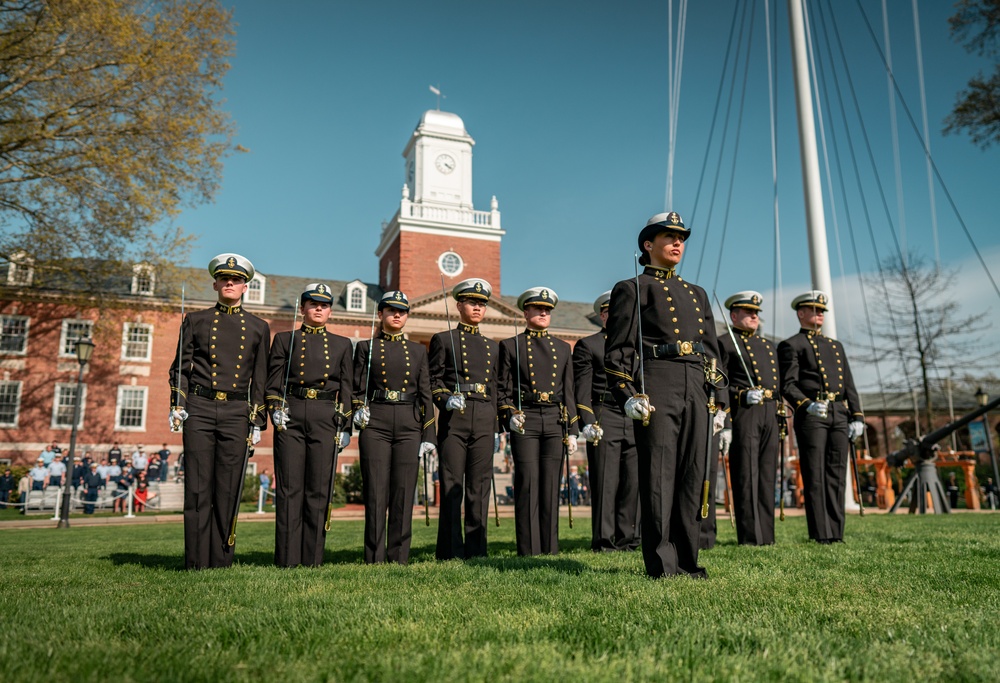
x,y
87,459
952,489
155,466
49,454
103,469
57,470
23,487
142,493
114,471
123,482
39,475
79,471
265,481
139,460
115,453
991,495
7,485
92,485
164,454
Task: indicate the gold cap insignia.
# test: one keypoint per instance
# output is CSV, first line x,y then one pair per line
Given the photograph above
x,y
231,262
321,289
479,286
398,296
545,294
821,299
755,300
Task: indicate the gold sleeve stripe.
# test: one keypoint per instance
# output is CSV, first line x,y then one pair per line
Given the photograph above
x,y
583,407
617,374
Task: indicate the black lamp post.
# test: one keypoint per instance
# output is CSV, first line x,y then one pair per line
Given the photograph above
x,y
84,350
983,399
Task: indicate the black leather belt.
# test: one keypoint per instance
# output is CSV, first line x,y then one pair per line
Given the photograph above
x,y
828,396
392,396
675,349
310,393
606,399
543,397
205,392
476,388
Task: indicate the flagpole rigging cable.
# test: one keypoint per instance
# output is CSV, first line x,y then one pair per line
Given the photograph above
x,y
927,137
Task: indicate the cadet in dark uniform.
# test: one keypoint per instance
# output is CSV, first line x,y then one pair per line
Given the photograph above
x,y
678,336
612,460
219,398
320,376
467,407
92,485
816,379
754,402
547,399
396,414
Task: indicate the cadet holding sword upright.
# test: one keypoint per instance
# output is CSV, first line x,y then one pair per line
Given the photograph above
x,y
217,383
816,380
612,461
755,398
667,322
310,378
393,408
463,367
538,405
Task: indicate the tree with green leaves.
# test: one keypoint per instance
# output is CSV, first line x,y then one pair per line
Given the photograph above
x,y
110,123
976,25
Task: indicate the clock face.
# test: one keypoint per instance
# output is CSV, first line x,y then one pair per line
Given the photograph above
x,y
445,163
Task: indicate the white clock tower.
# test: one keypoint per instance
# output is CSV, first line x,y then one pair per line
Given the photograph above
x,y
436,228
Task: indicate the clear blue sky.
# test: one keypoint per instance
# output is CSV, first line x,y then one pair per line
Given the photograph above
x,y
567,102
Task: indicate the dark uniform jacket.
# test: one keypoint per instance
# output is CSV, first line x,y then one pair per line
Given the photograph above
x,y
398,366
322,361
7,483
546,374
588,373
93,481
478,362
762,360
675,314
814,367
224,348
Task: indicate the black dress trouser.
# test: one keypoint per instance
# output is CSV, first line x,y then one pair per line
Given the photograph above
x,y
823,451
613,465
538,456
465,454
672,466
303,461
215,444
390,459
753,463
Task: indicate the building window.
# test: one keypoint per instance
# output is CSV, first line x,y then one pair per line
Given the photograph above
x,y
356,296
130,413
10,403
20,270
137,342
388,274
143,279
62,406
72,332
14,335
450,263
255,289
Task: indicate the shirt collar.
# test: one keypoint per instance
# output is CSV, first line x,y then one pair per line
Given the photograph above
x,y
309,329
536,333
661,273
471,329
390,337
223,308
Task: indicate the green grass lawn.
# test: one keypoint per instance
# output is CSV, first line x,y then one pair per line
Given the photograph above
x,y
905,599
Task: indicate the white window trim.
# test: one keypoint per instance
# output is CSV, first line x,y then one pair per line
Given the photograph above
x,y
27,336
55,405
137,270
63,335
357,287
118,406
262,279
17,408
15,266
461,261
149,347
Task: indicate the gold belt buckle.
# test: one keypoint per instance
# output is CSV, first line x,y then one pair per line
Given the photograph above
x,y
311,393
221,396
543,396
768,393
686,348
831,396
393,395
480,388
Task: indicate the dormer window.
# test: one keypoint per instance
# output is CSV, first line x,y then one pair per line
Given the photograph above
x,y
356,294
20,270
143,279
255,289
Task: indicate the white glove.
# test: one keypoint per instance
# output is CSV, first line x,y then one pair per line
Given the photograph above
x,y
279,418
362,416
343,440
719,421
571,444
455,402
177,417
755,397
817,408
725,440
255,436
638,408
855,429
592,433
427,448
517,423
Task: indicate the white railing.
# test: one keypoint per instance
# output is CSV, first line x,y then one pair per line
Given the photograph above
x,y
440,214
